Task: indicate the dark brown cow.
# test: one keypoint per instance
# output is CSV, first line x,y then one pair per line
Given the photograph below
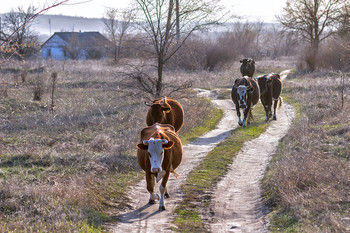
x,y
247,67
245,94
165,111
270,89
159,153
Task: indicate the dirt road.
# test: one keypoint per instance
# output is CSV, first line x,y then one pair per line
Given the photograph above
x,y
237,205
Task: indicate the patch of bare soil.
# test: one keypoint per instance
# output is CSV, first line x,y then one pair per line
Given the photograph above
x,y
144,217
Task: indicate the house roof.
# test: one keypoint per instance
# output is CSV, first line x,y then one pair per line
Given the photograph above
x,y
84,39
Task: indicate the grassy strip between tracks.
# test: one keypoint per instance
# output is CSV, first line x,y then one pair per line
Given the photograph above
x,y
200,182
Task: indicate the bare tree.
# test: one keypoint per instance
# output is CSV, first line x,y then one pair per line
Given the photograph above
x,y
23,40
159,22
314,19
245,37
73,48
116,25
16,27
281,42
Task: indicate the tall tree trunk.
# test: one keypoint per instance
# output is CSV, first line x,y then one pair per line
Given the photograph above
x,y
159,85
177,20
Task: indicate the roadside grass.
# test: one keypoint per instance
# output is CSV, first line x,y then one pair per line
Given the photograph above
x,y
307,182
201,181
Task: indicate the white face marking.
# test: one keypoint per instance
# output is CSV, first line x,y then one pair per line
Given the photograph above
x,y
155,149
241,91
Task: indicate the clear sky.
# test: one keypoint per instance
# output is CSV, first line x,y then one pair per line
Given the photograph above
x,y
264,10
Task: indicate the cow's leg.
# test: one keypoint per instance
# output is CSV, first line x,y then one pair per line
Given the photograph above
x,y
246,111
166,194
240,122
150,179
163,190
266,107
274,109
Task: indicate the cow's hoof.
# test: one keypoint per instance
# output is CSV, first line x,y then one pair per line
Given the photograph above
x,y
166,195
274,118
161,208
151,202
240,123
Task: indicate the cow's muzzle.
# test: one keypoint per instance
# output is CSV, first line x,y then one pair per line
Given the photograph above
x,y
155,170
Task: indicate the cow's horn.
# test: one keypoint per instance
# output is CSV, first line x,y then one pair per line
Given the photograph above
x,y
148,104
163,101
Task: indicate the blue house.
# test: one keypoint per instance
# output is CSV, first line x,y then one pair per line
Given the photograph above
x,y
75,45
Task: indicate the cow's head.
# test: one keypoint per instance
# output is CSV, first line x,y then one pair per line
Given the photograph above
x,y
159,109
155,149
243,87
263,81
246,61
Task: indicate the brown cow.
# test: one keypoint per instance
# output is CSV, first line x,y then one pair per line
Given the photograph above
x,y
245,94
270,89
159,153
247,67
165,111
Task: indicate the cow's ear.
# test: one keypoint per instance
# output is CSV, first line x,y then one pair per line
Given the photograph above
x,y
236,83
241,61
142,146
168,145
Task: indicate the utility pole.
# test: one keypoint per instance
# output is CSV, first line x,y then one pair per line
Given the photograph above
x,y
50,27
0,28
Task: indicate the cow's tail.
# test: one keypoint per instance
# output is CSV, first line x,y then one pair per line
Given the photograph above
x,y
281,102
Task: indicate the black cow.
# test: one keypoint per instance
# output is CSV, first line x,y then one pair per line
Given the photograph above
x,y
270,90
245,94
247,67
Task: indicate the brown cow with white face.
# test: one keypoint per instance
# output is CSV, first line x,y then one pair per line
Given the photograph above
x,y
245,94
159,153
270,90
165,111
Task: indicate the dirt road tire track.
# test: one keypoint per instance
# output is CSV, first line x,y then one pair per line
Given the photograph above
x,y
147,218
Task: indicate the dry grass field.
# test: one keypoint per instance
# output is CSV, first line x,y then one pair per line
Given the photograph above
x,y
308,182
